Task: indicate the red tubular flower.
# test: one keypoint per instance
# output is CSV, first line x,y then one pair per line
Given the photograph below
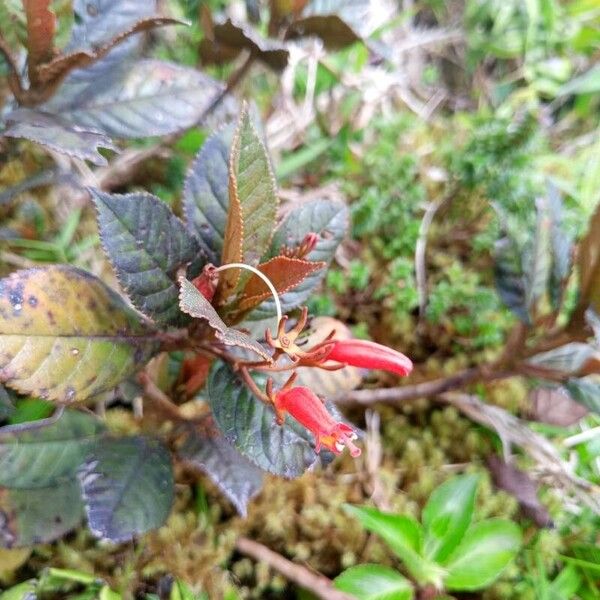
x,y
362,353
308,409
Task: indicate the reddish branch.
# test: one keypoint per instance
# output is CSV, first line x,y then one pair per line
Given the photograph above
x,y
427,389
319,585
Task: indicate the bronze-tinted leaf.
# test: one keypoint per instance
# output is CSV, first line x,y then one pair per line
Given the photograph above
x,y
283,272
588,263
61,65
253,204
522,487
228,39
192,302
337,22
64,335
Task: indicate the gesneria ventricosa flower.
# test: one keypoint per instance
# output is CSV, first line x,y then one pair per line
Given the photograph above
x,y
308,409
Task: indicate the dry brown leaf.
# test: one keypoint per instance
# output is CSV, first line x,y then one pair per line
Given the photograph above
x,y
522,487
555,406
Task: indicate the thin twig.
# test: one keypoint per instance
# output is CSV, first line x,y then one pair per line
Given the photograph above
x,y
14,81
373,461
160,401
427,389
421,247
318,584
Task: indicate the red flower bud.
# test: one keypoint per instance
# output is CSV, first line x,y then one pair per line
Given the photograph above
x,y
308,409
206,283
362,353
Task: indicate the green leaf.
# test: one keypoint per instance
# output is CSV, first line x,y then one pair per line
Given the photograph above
x,y
21,591
561,243
567,359
565,584
329,220
146,244
587,83
6,404
36,516
252,189
522,271
447,515
148,98
56,133
42,453
127,487
509,279
403,535
586,391
537,257
30,409
206,194
374,582
483,554
64,335
204,448
181,591
195,304
250,426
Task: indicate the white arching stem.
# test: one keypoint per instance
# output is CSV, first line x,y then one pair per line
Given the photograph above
x,y
263,277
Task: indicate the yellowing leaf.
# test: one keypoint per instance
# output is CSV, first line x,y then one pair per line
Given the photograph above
x,y
64,335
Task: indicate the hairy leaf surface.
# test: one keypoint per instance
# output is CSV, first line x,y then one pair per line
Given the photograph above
x,y
150,97
127,487
195,304
206,193
253,204
56,133
146,244
284,273
250,426
42,453
237,477
329,220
